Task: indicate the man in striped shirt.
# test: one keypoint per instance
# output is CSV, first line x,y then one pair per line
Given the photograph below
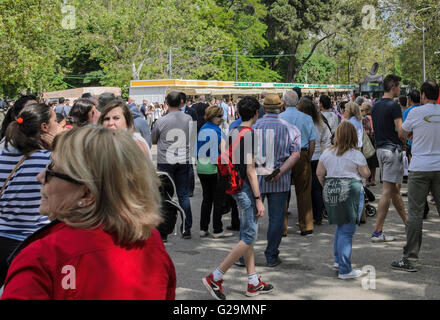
x,y
279,147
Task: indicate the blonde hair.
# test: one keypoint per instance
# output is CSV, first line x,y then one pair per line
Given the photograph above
x,y
345,138
353,110
213,111
124,184
367,106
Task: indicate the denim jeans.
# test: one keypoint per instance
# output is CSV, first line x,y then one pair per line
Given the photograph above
x,y
276,204
180,175
344,240
248,214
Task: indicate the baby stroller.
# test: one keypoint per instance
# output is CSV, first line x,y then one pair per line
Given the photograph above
x,y
370,210
170,208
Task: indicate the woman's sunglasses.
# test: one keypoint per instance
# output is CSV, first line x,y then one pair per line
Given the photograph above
x,y
65,177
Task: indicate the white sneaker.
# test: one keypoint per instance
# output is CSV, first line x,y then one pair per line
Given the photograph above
x,y
204,234
353,274
222,235
382,238
336,265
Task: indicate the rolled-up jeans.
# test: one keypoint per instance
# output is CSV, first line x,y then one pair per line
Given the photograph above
x,y
276,204
344,241
247,211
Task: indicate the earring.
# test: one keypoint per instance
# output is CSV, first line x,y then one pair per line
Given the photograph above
x,y
80,203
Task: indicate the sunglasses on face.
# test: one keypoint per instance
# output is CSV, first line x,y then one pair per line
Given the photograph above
x,y
65,177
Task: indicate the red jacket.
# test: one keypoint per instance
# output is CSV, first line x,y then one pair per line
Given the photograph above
x,y
61,262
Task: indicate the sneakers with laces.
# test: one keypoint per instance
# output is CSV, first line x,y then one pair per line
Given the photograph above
x,y
261,287
382,237
214,287
204,234
222,235
404,265
351,275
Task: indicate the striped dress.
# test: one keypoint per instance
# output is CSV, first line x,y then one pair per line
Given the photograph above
x,y
20,201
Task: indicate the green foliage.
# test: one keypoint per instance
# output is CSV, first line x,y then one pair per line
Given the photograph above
x,y
115,41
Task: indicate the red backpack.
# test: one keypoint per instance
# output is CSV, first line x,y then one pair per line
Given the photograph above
x,y
229,177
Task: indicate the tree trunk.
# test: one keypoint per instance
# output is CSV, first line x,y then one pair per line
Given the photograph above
x,y
310,54
292,61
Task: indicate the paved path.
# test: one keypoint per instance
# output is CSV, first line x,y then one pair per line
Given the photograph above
x,y
306,271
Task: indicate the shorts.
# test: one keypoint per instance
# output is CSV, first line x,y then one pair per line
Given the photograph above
x,y
248,214
391,165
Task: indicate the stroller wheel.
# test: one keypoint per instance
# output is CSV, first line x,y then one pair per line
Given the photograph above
x,y
370,210
324,214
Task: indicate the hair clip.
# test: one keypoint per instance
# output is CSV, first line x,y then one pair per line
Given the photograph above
x,y
20,120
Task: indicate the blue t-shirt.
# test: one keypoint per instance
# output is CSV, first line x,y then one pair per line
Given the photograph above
x,y
235,124
303,122
405,115
209,130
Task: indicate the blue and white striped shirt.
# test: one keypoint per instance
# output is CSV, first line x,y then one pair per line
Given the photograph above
x,y
276,140
20,201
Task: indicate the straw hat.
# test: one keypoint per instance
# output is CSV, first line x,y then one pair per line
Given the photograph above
x,y
272,101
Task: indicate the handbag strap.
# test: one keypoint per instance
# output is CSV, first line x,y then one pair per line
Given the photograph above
x,y
26,156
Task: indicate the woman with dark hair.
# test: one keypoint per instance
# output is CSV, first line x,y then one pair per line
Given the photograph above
x,y
324,141
84,112
14,111
28,139
117,116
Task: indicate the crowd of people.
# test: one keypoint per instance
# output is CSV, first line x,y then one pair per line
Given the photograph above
x,y
80,192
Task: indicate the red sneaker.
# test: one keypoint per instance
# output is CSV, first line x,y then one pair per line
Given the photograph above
x,y
262,287
214,287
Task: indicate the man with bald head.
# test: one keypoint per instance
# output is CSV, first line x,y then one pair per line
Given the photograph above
x,y
302,171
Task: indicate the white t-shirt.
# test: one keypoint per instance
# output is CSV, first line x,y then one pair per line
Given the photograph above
x,y
323,141
332,119
424,122
359,130
344,166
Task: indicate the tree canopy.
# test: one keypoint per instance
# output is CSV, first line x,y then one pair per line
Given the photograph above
x,y
56,44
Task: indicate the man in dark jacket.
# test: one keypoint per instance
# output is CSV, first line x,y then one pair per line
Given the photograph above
x,y
200,108
140,124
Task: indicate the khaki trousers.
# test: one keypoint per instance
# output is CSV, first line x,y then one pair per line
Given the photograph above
x,y
302,179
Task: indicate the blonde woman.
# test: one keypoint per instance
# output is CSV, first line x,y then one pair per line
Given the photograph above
x,y
101,244
353,114
340,171
208,146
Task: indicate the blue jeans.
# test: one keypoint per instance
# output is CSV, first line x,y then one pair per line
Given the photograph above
x,y
180,175
248,214
344,240
276,203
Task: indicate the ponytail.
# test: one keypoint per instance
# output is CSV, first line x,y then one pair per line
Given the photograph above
x,y
24,133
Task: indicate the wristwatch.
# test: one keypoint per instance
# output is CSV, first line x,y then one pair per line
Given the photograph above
x,y
256,198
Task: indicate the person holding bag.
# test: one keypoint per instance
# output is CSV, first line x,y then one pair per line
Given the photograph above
x,y
208,144
340,171
372,160
28,140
